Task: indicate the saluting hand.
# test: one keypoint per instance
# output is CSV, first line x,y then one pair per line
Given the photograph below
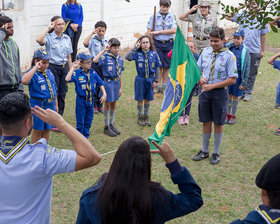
x,y
49,116
5,26
76,65
195,7
164,151
51,25
38,64
138,44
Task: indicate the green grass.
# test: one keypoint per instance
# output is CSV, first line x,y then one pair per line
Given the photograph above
x,y
272,39
228,189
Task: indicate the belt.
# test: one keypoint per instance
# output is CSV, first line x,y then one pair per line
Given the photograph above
x,y
164,41
111,79
201,38
41,99
61,66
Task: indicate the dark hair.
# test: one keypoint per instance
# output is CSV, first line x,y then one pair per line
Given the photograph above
x,y
4,20
126,193
274,199
14,108
100,24
114,42
218,32
54,19
166,3
152,47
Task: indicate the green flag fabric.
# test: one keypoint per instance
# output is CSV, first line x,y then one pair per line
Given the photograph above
x,y
183,75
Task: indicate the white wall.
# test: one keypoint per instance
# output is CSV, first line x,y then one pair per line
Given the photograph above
x,y
126,21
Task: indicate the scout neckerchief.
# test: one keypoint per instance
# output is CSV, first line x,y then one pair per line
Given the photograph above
x,y
119,68
88,88
270,215
215,53
45,74
163,19
10,146
100,40
146,53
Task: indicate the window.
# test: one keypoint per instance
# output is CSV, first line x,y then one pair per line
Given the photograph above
x,y
8,4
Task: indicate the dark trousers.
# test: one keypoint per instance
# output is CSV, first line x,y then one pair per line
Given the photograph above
x,y
75,40
4,92
60,74
96,97
254,66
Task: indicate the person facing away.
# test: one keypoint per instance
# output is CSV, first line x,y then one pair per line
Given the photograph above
x,y
27,170
42,90
127,195
86,82
147,65
243,60
268,180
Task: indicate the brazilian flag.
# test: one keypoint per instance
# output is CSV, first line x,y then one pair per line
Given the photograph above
x,y
183,75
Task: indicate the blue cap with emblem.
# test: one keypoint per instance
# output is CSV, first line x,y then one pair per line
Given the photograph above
x,y
83,56
41,54
239,33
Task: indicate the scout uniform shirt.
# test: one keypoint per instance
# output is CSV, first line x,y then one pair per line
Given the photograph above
x,y
224,68
26,178
96,44
80,79
58,48
163,22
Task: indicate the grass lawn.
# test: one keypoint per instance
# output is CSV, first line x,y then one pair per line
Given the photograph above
x,y
228,189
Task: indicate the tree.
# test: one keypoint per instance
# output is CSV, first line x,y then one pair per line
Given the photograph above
x,y
264,11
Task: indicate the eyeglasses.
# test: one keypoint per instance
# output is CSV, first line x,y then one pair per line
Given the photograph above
x,y
146,42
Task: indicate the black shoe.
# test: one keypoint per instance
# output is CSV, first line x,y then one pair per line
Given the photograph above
x,y
201,155
114,129
277,132
215,158
147,120
108,131
141,120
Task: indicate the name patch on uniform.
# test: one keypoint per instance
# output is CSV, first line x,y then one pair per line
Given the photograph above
x,y
140,65
84,86
43,87
110,68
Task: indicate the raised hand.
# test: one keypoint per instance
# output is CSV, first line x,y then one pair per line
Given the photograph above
x,y
164,151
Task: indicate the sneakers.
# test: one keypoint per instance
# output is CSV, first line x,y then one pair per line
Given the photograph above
x,y
227,118
201,155
95,110
215,158
277,106
277,132
100,110
247,98
186,119
141,120
181,120
146,120
108,131
231,119
114,129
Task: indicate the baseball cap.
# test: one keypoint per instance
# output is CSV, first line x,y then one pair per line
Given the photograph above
x,y
41,54
239,33
83,56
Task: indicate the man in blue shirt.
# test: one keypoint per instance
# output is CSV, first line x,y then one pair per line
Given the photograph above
x,y
27,170
255,41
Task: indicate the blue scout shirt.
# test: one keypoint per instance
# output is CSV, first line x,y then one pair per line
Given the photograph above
x,y
58,48
95,45
163,24
237,51
109,66
26,178
38,86
153,60
80,79
73,12
276,64
252,34
225,65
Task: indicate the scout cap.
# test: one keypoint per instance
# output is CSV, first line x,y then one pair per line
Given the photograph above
x,y
239,33
83,56
205,3
41,54
165,2
269,176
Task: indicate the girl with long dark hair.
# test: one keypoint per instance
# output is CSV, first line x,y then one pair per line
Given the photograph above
x,y
127,195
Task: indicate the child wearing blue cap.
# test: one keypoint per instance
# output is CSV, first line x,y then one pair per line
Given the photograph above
x,y
242,54
86,82
42,91
112,66
147,65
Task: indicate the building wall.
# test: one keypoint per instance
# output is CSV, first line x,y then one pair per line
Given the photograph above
x,y
126,21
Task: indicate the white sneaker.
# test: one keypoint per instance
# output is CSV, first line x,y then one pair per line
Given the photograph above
x,y
247,98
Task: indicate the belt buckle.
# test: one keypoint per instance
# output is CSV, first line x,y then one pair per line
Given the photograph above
x,y
164,41
116,79
200,38
49,100
63,65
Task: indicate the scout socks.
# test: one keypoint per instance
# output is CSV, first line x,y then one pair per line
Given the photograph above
x,y
205,141
146,109
163,88
229,104
234,107
106,115
139,108
218,141
112,116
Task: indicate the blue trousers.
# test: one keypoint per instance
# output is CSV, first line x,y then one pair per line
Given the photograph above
x,y
84,115
278,94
